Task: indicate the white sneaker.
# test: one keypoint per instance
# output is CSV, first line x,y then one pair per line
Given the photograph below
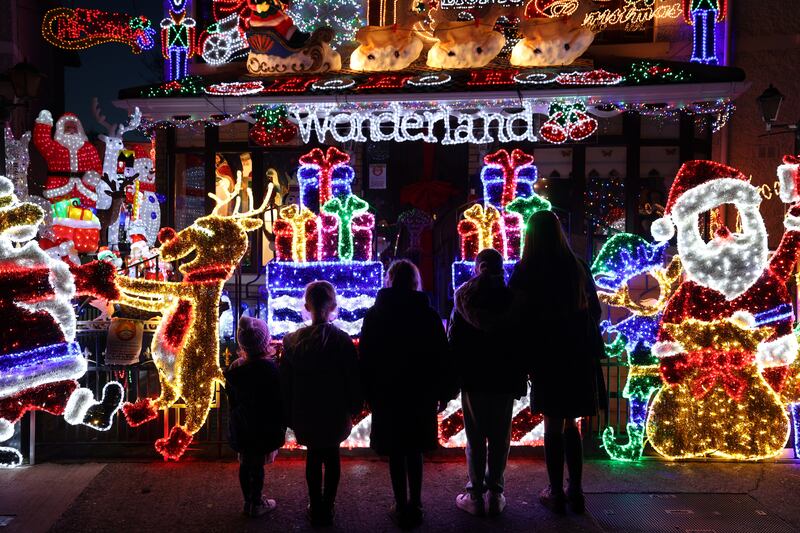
x,y
266,506
496,502
470,503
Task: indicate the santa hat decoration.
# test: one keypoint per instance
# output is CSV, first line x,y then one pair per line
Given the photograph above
x,y
789,179
692,175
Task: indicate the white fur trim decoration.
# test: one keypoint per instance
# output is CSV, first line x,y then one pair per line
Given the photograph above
x,y
663,349
791,222
77,405
786,178
662,228
743,318
779,352
6,430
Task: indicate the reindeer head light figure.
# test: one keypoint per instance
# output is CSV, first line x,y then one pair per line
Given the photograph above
x,y
186,345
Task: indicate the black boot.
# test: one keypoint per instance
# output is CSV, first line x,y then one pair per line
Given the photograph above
x,y
553,497
9,457
100,416
573,451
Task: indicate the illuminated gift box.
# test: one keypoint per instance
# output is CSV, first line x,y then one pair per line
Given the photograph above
x,y
328,237
357,283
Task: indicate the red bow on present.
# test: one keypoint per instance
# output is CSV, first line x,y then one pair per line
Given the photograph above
x,y
509,163
326,161
705,368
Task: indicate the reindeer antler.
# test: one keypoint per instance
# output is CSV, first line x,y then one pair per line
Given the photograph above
x,y
116,130
253,212
133,123
101,118
227,196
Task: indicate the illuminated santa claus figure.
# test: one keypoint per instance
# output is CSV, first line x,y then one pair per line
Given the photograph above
x,y
725,340
73,164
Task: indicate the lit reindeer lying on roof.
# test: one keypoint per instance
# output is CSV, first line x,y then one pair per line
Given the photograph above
x,y
557,41
186,345
466,43
382,48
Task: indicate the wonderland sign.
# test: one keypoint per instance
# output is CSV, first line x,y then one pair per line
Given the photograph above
x,y
439,124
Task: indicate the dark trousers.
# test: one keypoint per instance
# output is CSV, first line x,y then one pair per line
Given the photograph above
x,y
487,423
405,470
251,476
322,491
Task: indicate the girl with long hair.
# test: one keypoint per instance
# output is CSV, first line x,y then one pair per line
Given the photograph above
x,y
557,301
403,359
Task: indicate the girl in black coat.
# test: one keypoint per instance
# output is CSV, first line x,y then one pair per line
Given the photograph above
x,y
256,425
321,394
559,312
403,355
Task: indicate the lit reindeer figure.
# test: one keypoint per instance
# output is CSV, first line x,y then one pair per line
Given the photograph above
x,y
185,347
114,146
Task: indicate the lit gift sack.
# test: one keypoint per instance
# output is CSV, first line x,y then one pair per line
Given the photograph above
x,y
80,226
362,227
324,175
507,176
328,237
512,224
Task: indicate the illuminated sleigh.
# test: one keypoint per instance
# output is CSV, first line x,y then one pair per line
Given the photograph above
x,y
271,55
327,237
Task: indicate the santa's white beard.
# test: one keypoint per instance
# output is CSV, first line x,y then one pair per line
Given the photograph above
x,y
727,265
71,141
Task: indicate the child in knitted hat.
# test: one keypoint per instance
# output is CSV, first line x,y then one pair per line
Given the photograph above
x,y
256,424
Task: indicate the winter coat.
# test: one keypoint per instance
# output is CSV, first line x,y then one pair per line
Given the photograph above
x,y
484,355
403,351
256,424
564,352
319,372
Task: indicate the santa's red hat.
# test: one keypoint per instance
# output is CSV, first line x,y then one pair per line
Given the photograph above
x,y
697,176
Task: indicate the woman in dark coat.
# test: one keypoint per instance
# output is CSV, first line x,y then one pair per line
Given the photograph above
x,y
403,351
256,425
559,311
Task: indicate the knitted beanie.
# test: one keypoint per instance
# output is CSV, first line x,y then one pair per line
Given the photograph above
x,y
253,335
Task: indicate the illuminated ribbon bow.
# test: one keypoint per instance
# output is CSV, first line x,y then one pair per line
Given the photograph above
x,y
484,218
326,162
510,163
297,217
345,210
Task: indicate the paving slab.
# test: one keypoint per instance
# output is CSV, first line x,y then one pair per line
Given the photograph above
x,y
204,496
34,497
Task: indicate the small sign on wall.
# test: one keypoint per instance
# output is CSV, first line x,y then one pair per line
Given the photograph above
x,y
377,176
124,341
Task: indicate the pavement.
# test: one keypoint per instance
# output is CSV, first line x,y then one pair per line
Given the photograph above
x,y
204,495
